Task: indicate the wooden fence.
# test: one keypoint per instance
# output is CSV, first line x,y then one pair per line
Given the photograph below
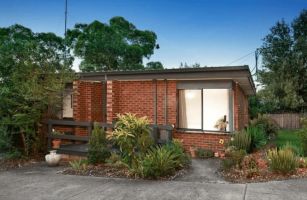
x,y
287,120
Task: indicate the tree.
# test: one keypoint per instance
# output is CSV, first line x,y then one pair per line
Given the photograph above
x,y
185,65
154,66
284,65
32,77
118,45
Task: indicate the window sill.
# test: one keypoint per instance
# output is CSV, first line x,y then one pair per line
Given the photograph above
x,y
190,131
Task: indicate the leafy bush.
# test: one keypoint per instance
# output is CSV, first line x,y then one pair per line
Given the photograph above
x,y
116,161
270,127
132,135
282,160
5,139
164,160
257,135
241,141
233,159
98,151
181,158
79,165
204,153
159,161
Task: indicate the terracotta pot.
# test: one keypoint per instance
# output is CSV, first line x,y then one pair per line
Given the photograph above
x,y
56,143
193,152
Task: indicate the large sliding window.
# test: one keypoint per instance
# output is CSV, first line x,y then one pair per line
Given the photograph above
x,y
201,109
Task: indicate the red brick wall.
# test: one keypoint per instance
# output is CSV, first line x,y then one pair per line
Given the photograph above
x,y
213,141
87,103
240,107
138,97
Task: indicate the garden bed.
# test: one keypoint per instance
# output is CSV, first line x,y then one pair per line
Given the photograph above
x,y
7,164
261,173
105,170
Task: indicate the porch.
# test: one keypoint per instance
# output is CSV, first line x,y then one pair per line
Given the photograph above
x,y
76,144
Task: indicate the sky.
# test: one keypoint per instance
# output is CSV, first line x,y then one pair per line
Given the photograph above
x,y
211,33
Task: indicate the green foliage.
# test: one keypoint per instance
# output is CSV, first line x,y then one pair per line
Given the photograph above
x,y
257,135
5,139
233,159
79,165
132,135
269,126
32,78
115,160
98,151
287,136
163,161
241,141
297,150
303,139
159,161
181,158
118,45
154,66
204,153
284,71
282,160
13,154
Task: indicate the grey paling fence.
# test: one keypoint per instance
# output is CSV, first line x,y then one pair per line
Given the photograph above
x,y
287,120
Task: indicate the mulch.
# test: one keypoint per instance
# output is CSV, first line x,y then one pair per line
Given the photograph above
x,y
262,173
18,163
105,170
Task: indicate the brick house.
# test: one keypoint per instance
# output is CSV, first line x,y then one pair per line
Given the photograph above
x,y
192,100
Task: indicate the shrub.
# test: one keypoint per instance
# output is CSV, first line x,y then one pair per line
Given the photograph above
x,y
257,135
5,139
79,165
181,158
159,161
204,153
270,127
282,160
98,151
233,159
162,161
249,164
116,161
241,140
132,135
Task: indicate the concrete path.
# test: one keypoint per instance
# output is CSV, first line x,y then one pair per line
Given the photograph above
x,y
45,183
203,170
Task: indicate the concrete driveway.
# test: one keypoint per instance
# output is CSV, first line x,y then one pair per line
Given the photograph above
x,y
42,182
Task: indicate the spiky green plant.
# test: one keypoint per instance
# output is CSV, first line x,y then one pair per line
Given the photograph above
x,y
241,140
282,161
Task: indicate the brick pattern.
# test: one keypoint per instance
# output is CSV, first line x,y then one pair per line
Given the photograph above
x,y
138,97
87,103
212,141
240,107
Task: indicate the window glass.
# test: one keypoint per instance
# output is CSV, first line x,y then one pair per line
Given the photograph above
x,y
190,109
215,107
